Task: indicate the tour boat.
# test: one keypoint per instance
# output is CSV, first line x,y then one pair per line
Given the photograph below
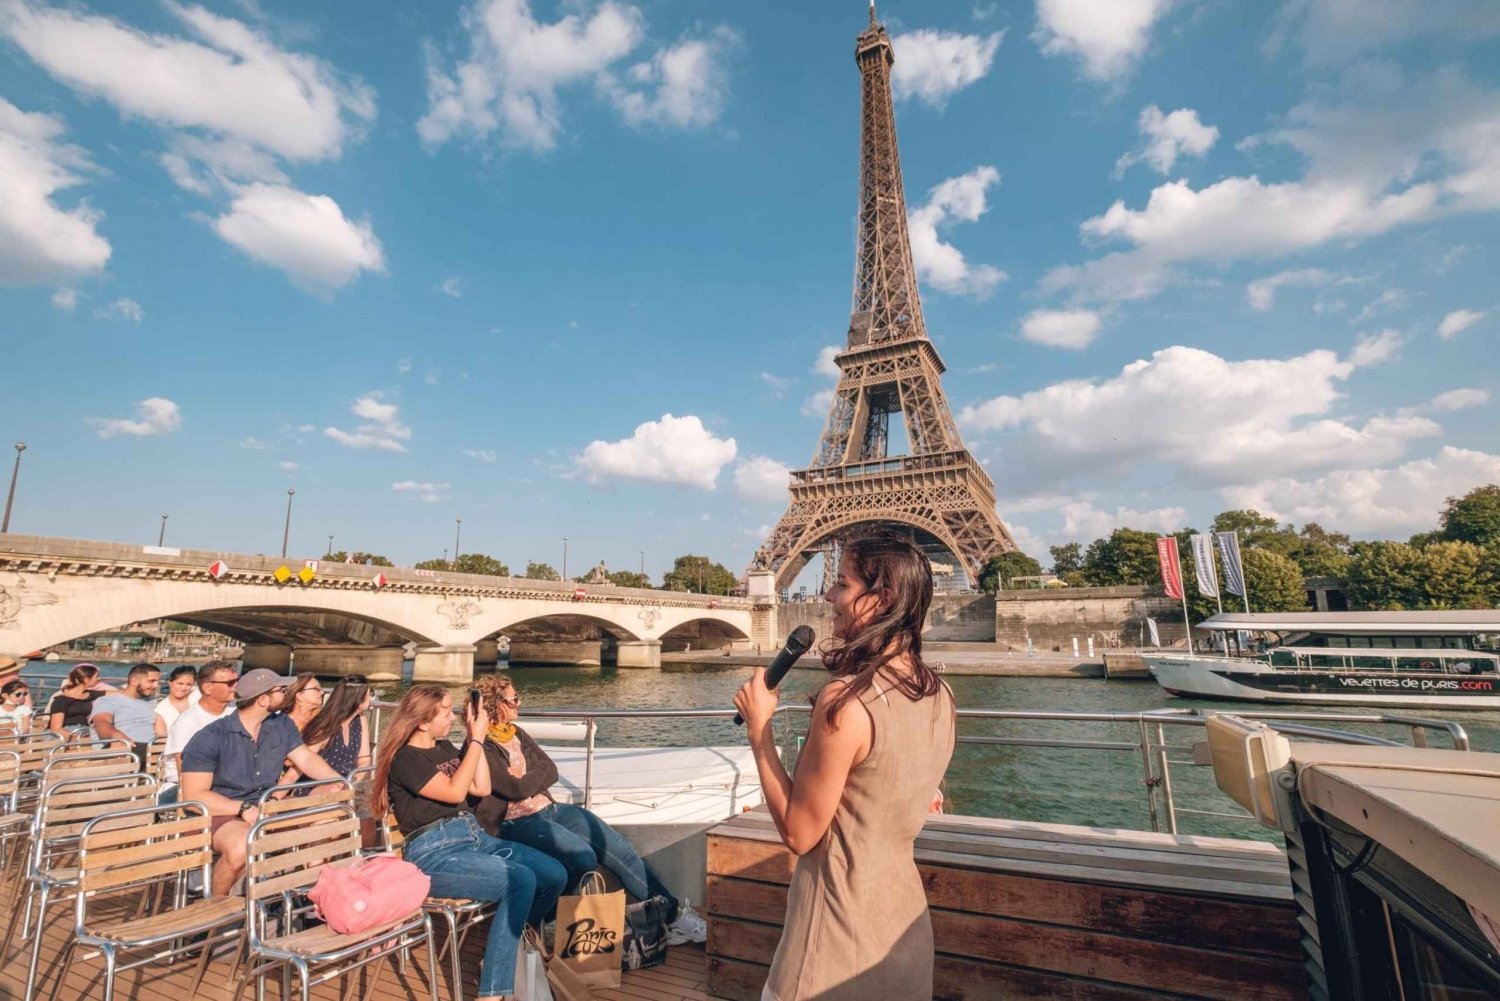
x,y
1415,659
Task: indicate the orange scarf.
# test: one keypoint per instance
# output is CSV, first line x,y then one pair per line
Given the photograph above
x,y
503,733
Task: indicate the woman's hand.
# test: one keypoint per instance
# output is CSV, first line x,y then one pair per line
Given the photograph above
x,y
479,723
756,702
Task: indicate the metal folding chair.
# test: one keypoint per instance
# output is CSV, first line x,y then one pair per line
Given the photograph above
x,y
285,854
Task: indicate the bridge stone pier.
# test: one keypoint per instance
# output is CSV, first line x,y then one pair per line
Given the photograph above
x,y
334,618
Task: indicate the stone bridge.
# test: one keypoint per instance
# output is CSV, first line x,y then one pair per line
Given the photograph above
x,y
341,618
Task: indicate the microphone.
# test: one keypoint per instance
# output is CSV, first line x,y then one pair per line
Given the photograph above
x,y
796,645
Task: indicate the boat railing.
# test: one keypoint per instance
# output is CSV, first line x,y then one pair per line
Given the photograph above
x,y
1148,744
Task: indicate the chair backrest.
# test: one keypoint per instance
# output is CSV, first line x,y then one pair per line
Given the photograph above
x,y
285,852
93,746
7,731
142,845
319,792
68,805
155,760
10,779
33,748
98,765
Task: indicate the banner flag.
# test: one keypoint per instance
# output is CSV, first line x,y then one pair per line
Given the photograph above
x,y
1171,566
1234,572
1203,563
1151,628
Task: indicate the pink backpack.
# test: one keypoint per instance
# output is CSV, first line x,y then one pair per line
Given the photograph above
x,y
368,894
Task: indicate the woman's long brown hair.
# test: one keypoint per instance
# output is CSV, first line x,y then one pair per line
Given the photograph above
x,y
339,706
418,707
897,572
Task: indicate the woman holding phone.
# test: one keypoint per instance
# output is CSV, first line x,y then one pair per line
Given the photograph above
x,y
425,780
881,735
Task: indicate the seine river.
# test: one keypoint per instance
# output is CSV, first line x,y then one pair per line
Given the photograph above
x,y
1060,785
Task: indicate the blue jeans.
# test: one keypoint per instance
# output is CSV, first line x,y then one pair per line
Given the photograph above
x,y
464,862
582,842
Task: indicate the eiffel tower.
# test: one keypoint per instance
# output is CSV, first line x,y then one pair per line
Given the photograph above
x,y
937,491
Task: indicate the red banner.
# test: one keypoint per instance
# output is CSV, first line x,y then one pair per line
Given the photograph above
x,y
1171,566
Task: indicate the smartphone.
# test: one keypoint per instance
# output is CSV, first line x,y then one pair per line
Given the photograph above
x,y
474,702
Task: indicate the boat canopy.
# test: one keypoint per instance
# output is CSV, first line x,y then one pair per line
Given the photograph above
x,y
1387,653
1360,623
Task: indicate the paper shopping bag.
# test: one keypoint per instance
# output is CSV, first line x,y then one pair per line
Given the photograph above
x,y
590,927
531,969
567,985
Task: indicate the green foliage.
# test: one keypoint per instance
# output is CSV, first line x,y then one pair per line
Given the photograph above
x,y
1424,539
434,564
1255,528
1067,564
699,573
1474,517
375,560
1319,552
540,571
1452,577
627,578
1274,582
1127,556
481,564
1004,568
1386,576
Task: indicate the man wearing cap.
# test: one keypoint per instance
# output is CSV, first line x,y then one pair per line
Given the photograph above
x,y
231,762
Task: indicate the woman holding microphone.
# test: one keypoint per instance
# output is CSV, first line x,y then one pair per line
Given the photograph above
x,y
880,738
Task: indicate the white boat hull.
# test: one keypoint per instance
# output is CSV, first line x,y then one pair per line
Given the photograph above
x,y
660,785
1244,680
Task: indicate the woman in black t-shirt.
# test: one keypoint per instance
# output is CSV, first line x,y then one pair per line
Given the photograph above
x,y
74,701
424,780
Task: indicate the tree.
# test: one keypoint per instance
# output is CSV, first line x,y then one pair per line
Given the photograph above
x,y
699,573
1005,567
1386,575
1453,576
1474,517
1254,528
1127,556
540,571
481,564
373,559
1424,539
433,564
628,578
1321,553
1274,582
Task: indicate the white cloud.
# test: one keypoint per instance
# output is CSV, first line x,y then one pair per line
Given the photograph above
x,y
121,309
508,82
1374,349
403,366
826,365
306,236
65,299
450,287
1387,501
1268,418
307,428
941,265
430,493
778,384
1453,399
818,404
1082,521
676,450
382,429
1167,137
480,454
288,466
41,241
932,66
1385,302
1458,321
1108,36
1261,293
1071,329
256,444
682,87
1335,30
231,82
758,478
156,415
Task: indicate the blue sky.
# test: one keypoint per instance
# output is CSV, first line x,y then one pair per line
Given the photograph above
x,y
572,269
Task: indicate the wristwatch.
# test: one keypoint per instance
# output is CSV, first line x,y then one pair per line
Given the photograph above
x,y
248,804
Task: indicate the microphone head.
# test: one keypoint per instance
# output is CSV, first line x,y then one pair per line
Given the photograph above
x,y
802,637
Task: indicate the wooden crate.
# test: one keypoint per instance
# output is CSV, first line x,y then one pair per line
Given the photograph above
x,y
1024,910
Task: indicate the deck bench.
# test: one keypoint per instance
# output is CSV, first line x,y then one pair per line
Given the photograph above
x,y
1029,910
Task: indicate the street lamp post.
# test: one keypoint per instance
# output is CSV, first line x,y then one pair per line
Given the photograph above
x,y
161,537
458,524
643,563
330,545
445,554
565,558
10,498
286,529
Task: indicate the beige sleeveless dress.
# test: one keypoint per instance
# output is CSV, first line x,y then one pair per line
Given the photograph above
x,y
857,926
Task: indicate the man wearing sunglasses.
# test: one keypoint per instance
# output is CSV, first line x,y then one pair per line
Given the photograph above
x,y
216,681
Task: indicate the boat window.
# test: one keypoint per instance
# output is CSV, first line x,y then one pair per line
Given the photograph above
x,y
1360,642
1427,969
1429,642
1339,641
1383,642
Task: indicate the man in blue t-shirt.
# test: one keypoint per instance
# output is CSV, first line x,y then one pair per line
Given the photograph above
x,y
130,713
231,762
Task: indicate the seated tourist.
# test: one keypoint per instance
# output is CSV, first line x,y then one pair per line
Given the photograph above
x,y
15,710
130,713
231,762
338,732
424,780
216,681
74,701
182,691
304,700
520,809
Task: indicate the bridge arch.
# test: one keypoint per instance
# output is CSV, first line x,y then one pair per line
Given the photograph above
x,y
821,531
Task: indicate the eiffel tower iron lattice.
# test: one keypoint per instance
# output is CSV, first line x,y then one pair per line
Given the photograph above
x,y
937,490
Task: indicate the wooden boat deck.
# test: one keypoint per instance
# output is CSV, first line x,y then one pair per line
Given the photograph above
x,y
683,977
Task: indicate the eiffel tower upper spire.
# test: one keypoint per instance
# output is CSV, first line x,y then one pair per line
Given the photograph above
x,y
887,305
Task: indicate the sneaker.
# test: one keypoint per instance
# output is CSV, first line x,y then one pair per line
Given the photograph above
x,y
689,927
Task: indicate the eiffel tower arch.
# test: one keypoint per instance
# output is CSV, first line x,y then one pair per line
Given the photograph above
x,y
936,490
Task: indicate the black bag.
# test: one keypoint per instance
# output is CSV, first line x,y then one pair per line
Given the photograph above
x,y
645,940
